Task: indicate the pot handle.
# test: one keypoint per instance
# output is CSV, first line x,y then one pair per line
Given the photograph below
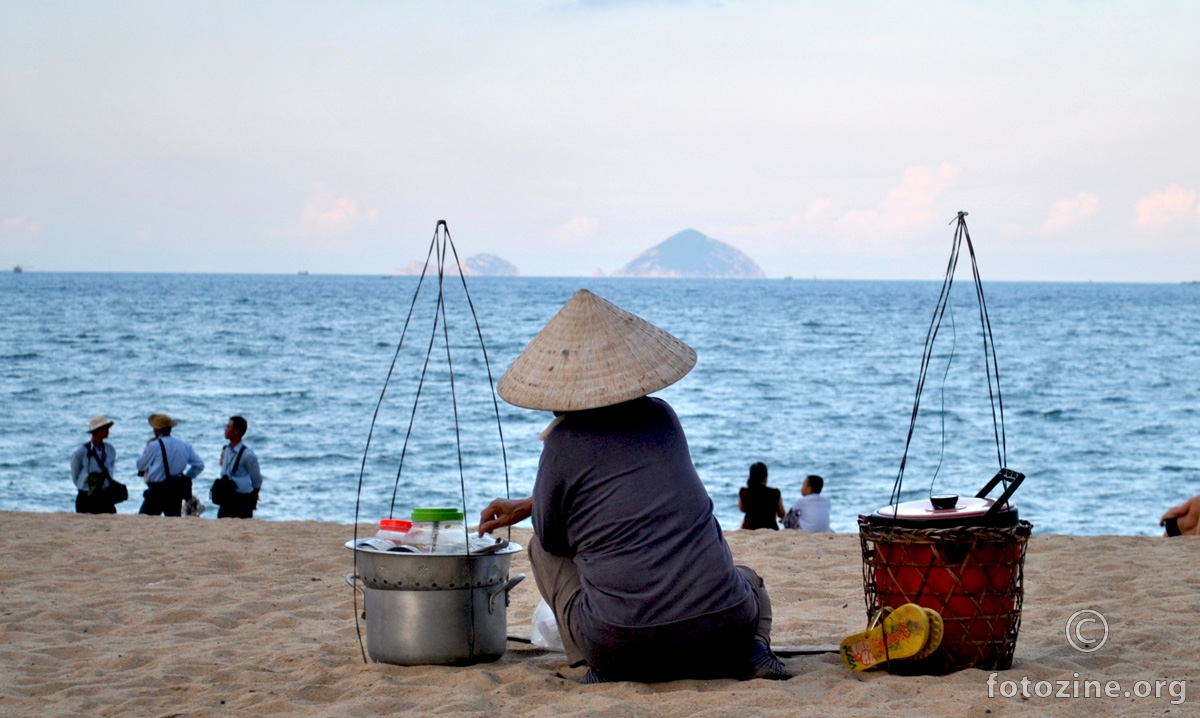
x,y
503,588
354,579
1012,479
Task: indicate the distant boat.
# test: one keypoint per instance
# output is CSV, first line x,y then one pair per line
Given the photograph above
x,y
788,278
303,273
17,269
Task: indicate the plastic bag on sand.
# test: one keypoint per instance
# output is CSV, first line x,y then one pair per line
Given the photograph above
x,y
545,628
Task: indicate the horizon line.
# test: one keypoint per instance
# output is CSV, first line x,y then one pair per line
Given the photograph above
x,y
786,278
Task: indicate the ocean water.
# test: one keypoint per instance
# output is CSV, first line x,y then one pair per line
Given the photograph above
x,y
1101,388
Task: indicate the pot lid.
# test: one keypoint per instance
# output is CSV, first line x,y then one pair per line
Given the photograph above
x,y
927,509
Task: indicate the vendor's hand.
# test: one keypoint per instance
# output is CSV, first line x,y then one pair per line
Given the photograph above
x,y
504,512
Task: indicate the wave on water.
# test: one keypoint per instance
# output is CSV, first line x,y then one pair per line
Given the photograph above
x,y
185,366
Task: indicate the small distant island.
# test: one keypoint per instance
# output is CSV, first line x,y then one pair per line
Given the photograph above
x,y
479,265
693,255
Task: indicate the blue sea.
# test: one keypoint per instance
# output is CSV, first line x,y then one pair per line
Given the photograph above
x,y
1101,388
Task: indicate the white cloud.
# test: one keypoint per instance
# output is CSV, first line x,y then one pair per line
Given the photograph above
x,y
1165,210
578,227
20,226
817,209
908,206
326,215
1068,213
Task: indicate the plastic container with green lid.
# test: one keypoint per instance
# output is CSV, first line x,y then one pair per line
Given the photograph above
x,y
439,530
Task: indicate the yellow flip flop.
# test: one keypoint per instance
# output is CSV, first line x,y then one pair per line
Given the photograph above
x,y
902,633
936,630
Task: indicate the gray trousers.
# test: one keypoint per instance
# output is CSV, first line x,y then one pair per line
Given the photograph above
x,y
558,581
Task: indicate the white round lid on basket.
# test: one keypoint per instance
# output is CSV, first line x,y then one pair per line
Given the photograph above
x,y
925,510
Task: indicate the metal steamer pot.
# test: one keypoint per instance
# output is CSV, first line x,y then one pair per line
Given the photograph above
x,y
435,609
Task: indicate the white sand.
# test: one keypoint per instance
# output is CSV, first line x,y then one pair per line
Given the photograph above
x,y
139,616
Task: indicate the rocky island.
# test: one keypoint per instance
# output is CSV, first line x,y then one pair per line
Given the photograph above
x,y
479,265
694,255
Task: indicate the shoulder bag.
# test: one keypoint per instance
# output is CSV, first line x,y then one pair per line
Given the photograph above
x,y
178,486
101,485
224,489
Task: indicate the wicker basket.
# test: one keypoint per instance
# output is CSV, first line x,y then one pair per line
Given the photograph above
x,y
972,575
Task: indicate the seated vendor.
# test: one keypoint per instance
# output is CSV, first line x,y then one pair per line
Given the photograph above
x,y
627,551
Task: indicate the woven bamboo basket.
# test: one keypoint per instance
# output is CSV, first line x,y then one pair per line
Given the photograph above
x,y
972,575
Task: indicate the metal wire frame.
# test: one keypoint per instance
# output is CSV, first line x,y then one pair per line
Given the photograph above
x,y
441,246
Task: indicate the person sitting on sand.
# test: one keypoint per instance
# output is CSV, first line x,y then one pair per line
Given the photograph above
x,y
811,510
1185,517
168,465
240,464
759,502
92,469
626,550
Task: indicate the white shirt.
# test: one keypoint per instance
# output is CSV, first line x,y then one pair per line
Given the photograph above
x,y
247,476
180,455
812,512
84,462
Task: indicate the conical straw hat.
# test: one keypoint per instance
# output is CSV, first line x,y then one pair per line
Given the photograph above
x,y
593,354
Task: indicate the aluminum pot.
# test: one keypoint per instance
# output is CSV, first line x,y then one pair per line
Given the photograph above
x,y
435,609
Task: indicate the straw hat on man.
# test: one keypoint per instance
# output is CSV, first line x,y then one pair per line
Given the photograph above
x,y
99,423
161,422
627,552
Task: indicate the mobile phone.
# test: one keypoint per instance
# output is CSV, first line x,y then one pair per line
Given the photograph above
x,y
1172,527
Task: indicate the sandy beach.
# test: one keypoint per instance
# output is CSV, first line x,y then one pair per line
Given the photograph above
x,y
134,616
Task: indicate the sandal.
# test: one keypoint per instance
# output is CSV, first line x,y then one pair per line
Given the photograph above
x,y
891,635
936,630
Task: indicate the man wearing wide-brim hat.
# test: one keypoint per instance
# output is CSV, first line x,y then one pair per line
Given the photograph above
x,y
92,469
627,551
168,465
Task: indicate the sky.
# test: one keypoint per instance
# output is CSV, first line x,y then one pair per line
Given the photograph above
x,y
830,140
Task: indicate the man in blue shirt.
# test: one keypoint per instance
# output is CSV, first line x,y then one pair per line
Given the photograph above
x,y
240,464
168,465
92,468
